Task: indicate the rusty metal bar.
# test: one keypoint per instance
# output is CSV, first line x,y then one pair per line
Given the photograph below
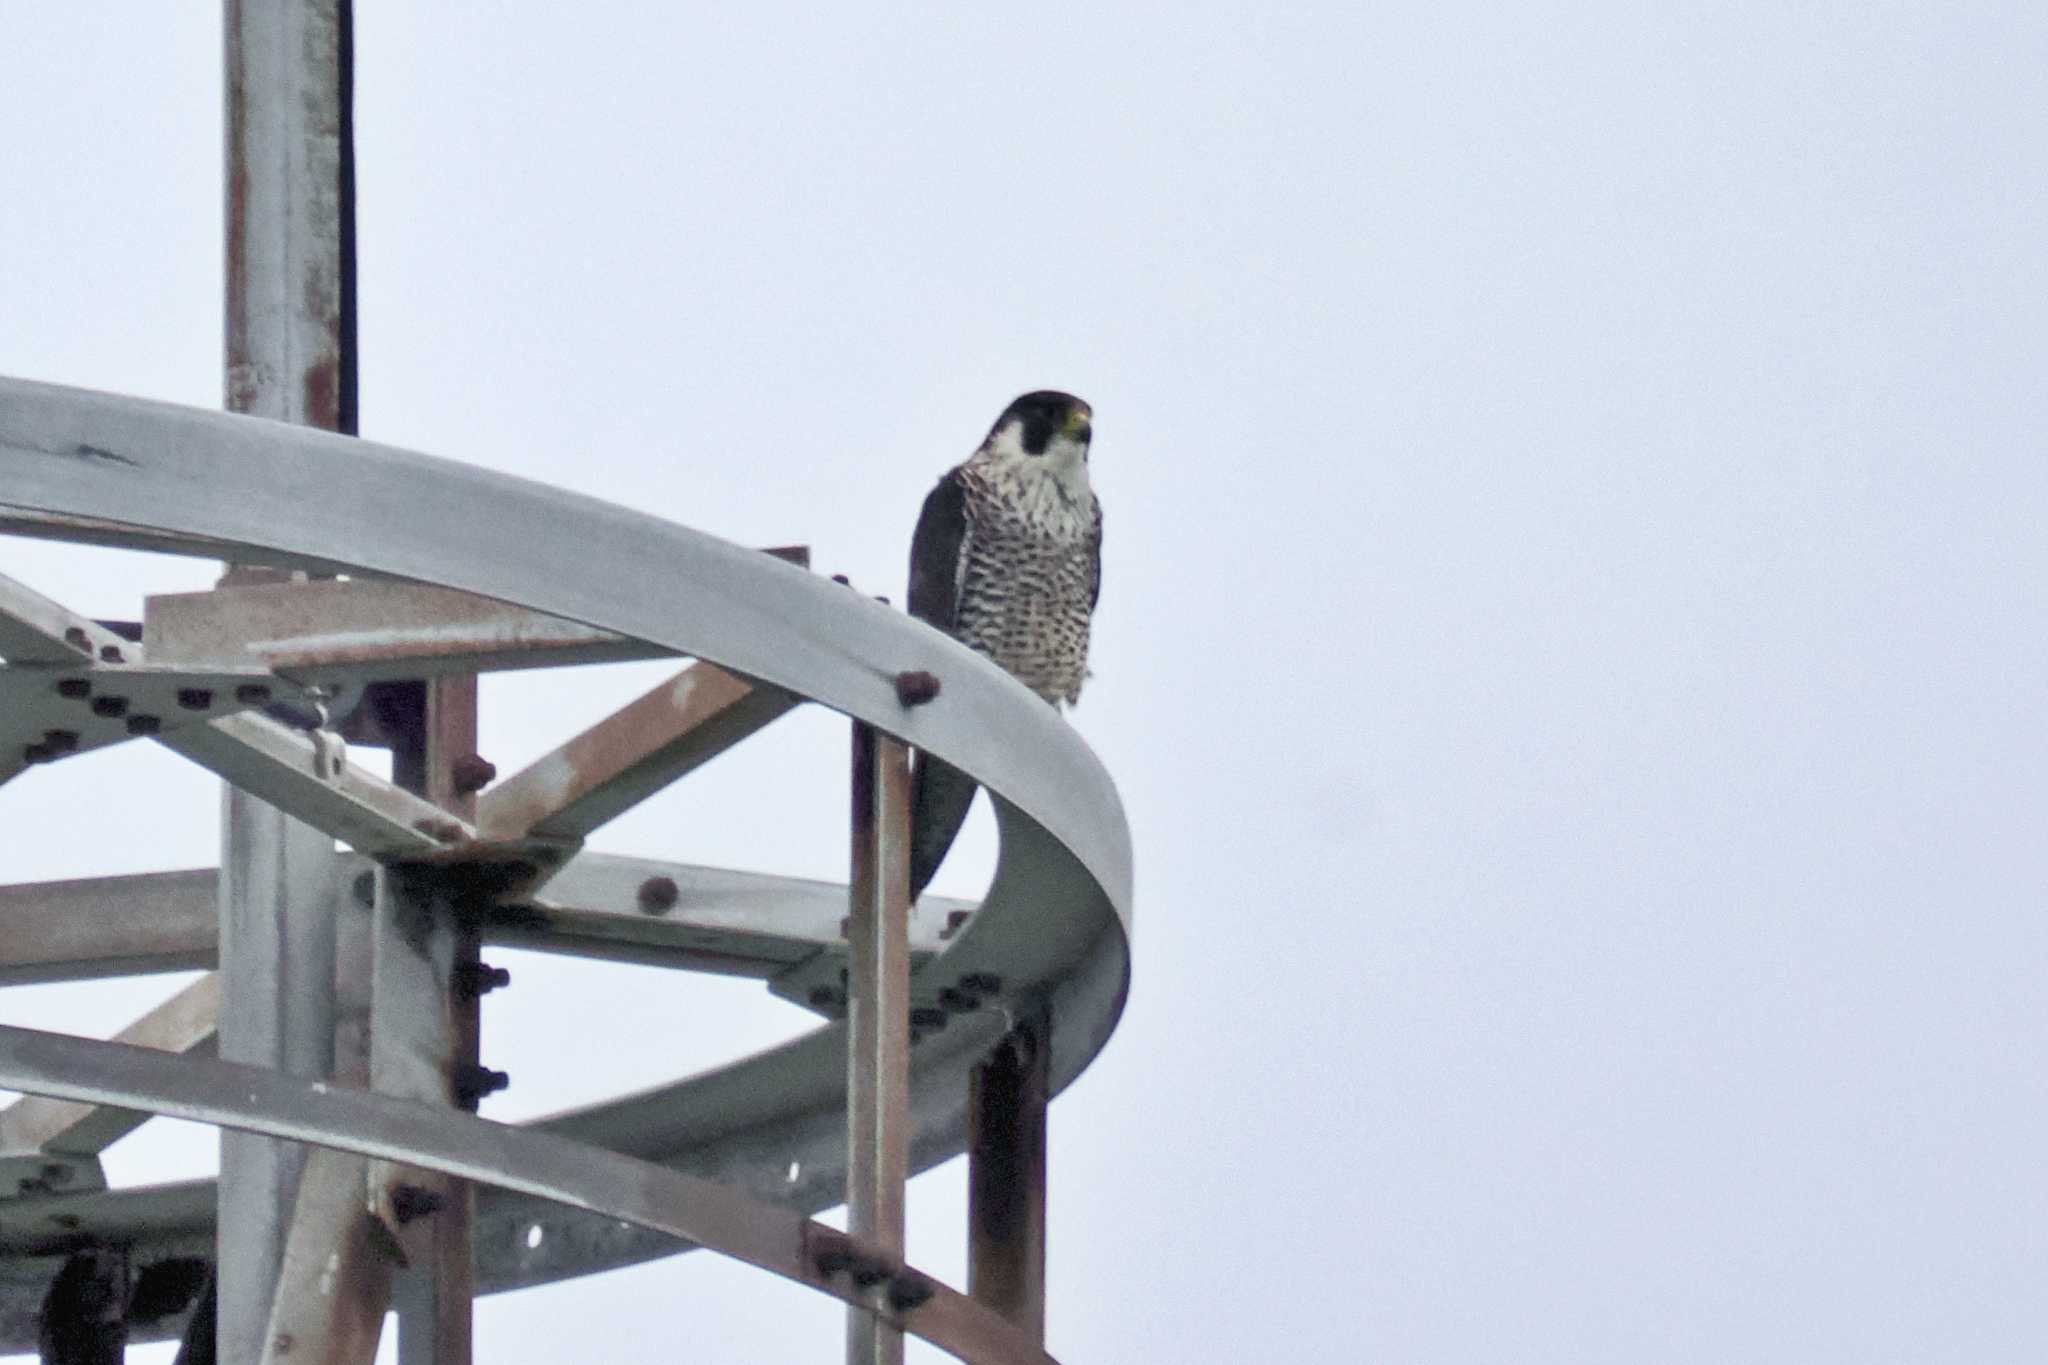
x,y
878,1023
291,356
367,630
631,754
1006,1173
334,1277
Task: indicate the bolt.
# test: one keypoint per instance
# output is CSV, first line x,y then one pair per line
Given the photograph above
x,y
74,688
823,998
868,1273
35,753
110,707
412,1202
916,687
982,983
195,698
472,773
76,637
910,1289
473,1082
365,888
60,741
834,1256
110,654
283,1342
658,895
928,1017
960,1002
144,725
842,580
252,694
480,978
954,920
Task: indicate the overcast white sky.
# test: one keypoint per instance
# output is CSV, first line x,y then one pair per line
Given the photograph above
x,y
1571,642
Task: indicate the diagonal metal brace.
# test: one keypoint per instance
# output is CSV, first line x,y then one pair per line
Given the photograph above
x,y
630,755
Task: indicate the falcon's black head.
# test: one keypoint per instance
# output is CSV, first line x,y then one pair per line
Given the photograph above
x,y
1043,415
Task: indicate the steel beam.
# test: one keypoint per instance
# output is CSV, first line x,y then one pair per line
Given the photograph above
x,y
878,1023
281,767
1057,914
599,905
334,1274
108,926
36,630
630,755
1006,1173
186,1023
335,631
291,356
536,1163
422,1031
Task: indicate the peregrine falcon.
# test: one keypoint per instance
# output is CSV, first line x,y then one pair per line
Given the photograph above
x,y
1007,559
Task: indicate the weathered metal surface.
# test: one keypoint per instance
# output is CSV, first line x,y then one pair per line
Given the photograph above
x,y
355,630
719,920
49,713
417,1041
72,685
334,1274
290,212
878,1024
1056,915
532,1162
700,918
290,356
108,926
188,1022
277,988
1006,1174
281,767
36,630
630,755
435,1293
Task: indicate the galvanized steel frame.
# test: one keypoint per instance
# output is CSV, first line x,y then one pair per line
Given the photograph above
x,y
1054,924
1009,1000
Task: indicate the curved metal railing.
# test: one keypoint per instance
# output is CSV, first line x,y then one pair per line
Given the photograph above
x,y
1055,923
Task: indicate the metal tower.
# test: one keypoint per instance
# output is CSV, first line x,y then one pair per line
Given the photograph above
x,y
376,583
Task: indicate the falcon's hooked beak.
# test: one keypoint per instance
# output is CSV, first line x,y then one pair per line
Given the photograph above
x,y
1079,422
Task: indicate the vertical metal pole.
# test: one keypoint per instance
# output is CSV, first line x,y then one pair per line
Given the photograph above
x,y
878,1021
1006,1174
290,333
435,1298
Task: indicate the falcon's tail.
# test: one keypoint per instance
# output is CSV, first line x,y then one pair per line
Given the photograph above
x,y
940,797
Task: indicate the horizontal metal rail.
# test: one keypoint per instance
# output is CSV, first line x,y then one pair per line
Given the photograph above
x,y
259,1100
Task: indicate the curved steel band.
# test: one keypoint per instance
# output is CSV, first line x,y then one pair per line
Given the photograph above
x,y
96,468
259,1100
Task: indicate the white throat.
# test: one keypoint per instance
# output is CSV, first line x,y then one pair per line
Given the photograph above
x,y
1060,473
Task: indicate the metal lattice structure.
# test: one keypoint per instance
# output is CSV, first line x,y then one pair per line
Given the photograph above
x,y
341,999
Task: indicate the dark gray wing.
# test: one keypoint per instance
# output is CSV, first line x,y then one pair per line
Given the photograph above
x,y
940,794
1095,556
935,554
